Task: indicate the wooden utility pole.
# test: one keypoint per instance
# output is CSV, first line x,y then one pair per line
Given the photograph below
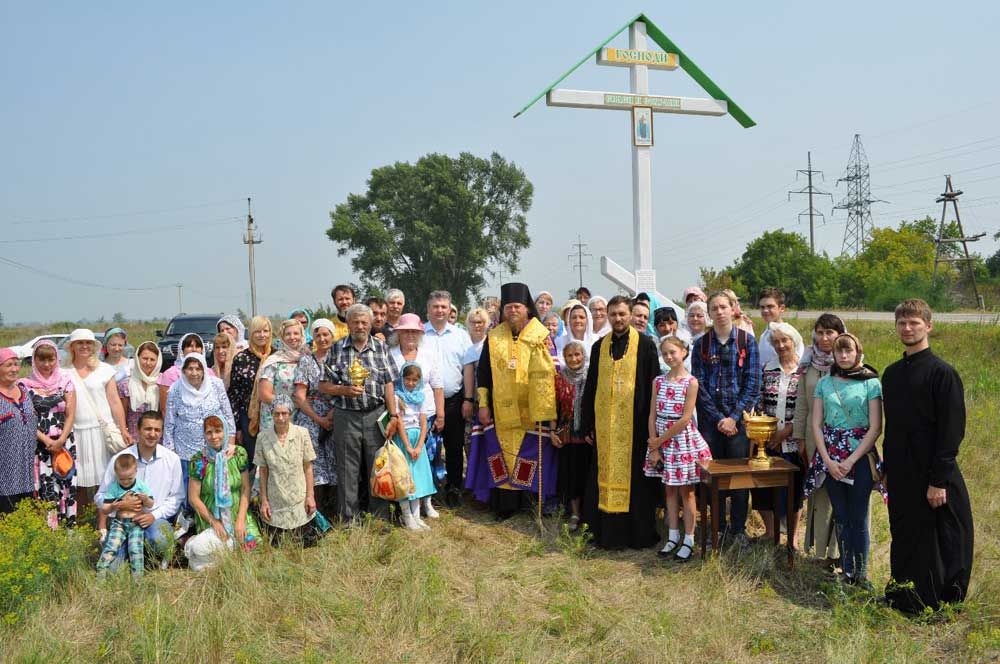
x,y
951,196
251,238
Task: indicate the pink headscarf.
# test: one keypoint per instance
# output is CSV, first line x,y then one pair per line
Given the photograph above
x,y
7,354
57,379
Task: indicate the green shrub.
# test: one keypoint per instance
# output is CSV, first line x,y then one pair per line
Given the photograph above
x,y
35,560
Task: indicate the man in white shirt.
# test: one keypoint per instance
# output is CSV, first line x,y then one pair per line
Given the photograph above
x,y
449,343
772,307
160,469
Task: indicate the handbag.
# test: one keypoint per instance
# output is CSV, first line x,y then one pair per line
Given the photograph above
x,y
204,549
391,478
113,439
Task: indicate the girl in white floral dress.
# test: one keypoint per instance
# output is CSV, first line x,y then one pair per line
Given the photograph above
x,y
675,445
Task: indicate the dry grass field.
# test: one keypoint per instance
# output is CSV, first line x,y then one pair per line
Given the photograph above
x,y
474,591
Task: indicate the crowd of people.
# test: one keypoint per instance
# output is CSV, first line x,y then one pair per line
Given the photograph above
x,y
604,410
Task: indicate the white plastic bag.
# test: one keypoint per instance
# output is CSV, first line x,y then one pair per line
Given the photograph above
x,y
203,550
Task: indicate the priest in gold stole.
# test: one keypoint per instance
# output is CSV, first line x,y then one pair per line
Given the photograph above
x,y
619,505
508,455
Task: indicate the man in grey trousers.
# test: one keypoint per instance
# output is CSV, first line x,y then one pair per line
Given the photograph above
x,y
356,434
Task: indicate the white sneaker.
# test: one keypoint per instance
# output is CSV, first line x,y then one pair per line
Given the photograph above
x,y
406,516
429,508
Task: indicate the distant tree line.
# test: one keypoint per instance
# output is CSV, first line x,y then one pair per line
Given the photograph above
x,y
897,263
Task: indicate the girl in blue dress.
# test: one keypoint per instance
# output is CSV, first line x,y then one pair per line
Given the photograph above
x,y
410,437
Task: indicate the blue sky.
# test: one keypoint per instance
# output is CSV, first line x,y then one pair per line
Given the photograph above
x,y
158,121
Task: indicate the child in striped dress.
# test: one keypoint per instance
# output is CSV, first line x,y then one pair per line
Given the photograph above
x,y
675,445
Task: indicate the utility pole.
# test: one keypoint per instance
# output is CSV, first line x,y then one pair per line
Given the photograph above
x,y
579,255
951,196
251,238
858,200
180,301
811,191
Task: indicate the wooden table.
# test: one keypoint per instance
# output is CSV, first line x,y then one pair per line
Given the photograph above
x,y
731,474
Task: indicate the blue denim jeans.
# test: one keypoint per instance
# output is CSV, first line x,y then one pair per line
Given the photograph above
x,y
850,514
729,447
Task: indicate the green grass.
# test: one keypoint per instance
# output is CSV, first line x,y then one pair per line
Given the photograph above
x,y
473,591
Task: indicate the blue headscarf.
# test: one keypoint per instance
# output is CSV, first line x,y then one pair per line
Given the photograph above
x,y
223,494
307,328
414,397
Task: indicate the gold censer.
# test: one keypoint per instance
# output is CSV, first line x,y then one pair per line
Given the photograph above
x,y
759,429
358,373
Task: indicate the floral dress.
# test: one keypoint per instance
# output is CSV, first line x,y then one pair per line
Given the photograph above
x,y
131,416
282,377
241,378
310,373
681,453
51,410
203,471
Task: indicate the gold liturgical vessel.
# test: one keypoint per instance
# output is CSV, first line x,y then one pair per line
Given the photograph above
x,y
358,373
759,429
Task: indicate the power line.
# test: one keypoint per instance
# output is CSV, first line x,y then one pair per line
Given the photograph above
x,y
928,154
114,215
935,177
117,233
810,191
80,282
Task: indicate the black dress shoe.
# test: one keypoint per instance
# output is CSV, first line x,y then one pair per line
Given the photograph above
x,y
453,498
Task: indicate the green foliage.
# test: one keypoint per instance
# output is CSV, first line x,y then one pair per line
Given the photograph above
x,y
993,265
896,264
781,258
442,221
719,280
35,560
118,318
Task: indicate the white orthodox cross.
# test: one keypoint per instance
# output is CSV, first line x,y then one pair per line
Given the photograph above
x,y
642,105
638,60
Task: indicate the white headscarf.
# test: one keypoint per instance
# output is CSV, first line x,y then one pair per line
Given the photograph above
x,y
606,328
142,387
589,336
190,395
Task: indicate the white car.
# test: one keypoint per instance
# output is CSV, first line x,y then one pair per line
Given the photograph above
x,y
24,350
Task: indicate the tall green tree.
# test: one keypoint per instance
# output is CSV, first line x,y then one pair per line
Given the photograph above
x,y
442,222
782,259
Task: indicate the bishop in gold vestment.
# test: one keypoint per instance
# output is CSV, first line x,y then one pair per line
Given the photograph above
x,y
511,451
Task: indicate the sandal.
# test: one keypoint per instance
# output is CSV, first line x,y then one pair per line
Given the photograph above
x,y
574,523
668,548
683,559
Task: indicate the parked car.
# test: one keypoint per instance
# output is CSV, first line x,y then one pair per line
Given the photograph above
x,y
204,325
63,347
24,350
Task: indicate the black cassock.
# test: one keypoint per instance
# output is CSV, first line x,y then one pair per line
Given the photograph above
x,y
924,425
636,528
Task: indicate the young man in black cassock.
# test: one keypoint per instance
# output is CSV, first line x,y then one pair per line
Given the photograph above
x,y
930,518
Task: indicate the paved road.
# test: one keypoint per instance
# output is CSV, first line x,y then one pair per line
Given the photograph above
x,y
988,318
